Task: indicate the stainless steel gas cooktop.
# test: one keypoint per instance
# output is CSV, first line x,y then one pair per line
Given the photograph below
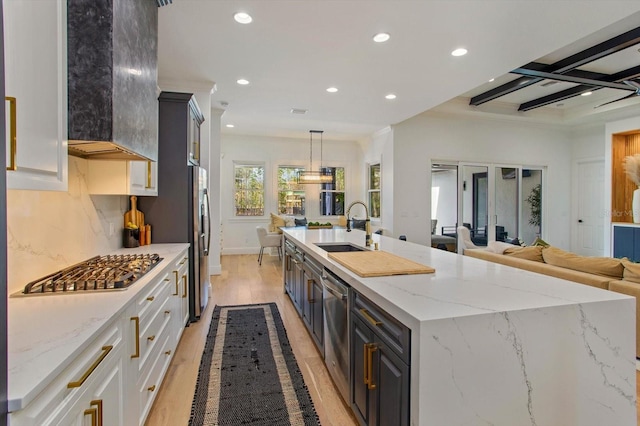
x,y
100,273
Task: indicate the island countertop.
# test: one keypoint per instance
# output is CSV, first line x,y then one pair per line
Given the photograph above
x,y
492,344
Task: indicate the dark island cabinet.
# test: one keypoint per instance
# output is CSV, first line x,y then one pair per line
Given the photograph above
x,y
312,302
380,375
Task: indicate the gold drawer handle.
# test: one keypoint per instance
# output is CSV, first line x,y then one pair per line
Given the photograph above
x,y
184,282
309,298
98,404
94,415
150,298
137,321
183,260
369,318
148,175
105,352
151,338
176,274
151,388
168,352
13,132
370,348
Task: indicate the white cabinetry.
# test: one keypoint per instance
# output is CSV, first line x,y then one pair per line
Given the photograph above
x,y
116,177
36,94
92,386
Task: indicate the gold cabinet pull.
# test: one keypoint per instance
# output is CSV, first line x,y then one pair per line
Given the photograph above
x,y
13,132
151,388
184,282
151,338
309,298
365,369
150,298
369,318
197,150
176,274
94,415
168,352
183,260
79,382
371,348
137,321
98,404
148,174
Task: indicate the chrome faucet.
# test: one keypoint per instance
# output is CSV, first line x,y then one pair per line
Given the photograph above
x,y
367,227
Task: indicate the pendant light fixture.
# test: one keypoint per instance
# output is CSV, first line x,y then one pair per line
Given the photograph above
x,y
320,176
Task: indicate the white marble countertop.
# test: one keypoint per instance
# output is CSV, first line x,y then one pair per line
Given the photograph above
x,y
45,333
461,286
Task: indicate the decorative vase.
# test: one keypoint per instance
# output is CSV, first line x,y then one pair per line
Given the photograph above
x,y
635,206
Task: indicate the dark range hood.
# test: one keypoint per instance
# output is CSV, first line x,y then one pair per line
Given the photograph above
x,y
112,79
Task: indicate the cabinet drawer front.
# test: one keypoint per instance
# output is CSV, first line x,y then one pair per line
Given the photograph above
x,y
153,296
389,329
149,386
154,333
74,380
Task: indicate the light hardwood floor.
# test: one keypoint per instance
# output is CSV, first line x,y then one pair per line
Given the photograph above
x,y
243,281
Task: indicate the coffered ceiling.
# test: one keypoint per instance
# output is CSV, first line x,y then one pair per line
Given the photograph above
x,y
294,50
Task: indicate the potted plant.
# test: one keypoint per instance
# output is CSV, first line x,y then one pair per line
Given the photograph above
x,y
535,204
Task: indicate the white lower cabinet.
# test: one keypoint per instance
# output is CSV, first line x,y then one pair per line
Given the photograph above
x,y
115,380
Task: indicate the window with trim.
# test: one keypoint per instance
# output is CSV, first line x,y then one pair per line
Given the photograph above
x,y
332,194
374,190
291,194
249,189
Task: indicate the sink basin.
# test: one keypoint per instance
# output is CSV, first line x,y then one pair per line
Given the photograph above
x,y
339,247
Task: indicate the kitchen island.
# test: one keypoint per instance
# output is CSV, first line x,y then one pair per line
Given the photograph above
x,y
495,345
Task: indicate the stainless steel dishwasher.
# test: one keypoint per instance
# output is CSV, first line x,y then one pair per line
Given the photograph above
x,y
335,294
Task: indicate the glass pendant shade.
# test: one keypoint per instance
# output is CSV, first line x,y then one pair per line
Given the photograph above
x,y
319,176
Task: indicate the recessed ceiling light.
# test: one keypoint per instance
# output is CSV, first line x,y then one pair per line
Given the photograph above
x,y
243,81
381,37
390,96
332,89
242,18
230,125
491,81
585,93
459,52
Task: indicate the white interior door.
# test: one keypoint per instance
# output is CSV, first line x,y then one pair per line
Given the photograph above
x,y
588,227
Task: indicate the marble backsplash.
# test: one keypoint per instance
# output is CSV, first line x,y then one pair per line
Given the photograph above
x,y
48,230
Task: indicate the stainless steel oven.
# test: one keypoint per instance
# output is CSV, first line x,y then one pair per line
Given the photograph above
x,y
335,294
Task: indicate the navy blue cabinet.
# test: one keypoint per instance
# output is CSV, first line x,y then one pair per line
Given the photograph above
x,y
626,242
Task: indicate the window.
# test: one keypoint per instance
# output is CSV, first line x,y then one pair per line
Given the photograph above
x,y
249,190
374,190
291,195
332,194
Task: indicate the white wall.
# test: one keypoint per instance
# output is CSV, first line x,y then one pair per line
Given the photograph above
x,y
431,136
239,233
50,230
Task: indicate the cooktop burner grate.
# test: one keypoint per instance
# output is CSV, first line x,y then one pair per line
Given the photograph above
x,y
110,272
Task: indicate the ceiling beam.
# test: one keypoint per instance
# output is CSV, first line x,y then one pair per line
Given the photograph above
x,y
627,74
591,54
571,79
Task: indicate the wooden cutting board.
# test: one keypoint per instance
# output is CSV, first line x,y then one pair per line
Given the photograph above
x,y
379,263
134,215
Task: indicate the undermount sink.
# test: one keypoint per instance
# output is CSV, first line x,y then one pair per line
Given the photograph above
x,y
339,247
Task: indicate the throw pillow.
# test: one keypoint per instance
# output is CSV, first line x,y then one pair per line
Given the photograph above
x,y
631,270
529,253
300,222
604,266
277,222
498,247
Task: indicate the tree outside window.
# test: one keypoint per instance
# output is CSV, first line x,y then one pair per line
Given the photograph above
x,y
332,194
374,190
291,194
249,190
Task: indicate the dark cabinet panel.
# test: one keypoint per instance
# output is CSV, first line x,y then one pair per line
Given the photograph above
x,y
626,242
